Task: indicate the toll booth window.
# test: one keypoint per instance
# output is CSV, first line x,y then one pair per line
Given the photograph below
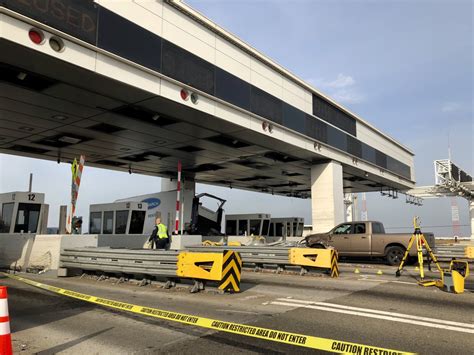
x,y
271,231
359,228
27,218
231,227
300,230
137,222
121,218
95,221
279,229
6,217
108,225
243,227
265,226
295,229
343,229
255,226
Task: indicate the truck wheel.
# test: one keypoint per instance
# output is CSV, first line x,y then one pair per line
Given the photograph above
x,y
394,255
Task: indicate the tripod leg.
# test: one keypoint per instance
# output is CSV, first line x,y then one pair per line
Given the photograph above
x,y
400,267
420,257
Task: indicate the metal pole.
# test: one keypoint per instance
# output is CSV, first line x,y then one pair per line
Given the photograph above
x,y
178,199
62,219
355,212
182,216
363,214
31,182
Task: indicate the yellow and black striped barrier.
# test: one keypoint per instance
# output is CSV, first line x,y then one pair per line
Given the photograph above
x,y
223,266
316,258
231,270
334,266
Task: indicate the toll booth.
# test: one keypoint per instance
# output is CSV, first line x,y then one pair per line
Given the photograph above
x,y
286,227
23,212
247,224
117,218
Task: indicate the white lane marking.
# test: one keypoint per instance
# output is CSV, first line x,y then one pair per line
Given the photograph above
x,y
383,280
376,311
379,316
252,297
403,282
372,280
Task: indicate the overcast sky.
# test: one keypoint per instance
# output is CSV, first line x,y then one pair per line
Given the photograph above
x,y
405,66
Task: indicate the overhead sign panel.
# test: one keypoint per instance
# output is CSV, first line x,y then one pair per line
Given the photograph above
x,y
75,17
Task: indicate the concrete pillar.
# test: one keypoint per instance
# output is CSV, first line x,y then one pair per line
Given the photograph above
x,y
327,196
62,219
43,227
471,216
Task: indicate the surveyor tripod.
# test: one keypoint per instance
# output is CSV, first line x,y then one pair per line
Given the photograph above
x,y
419,240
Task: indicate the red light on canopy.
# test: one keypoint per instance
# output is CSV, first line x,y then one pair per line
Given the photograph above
x,y
35,36
184,94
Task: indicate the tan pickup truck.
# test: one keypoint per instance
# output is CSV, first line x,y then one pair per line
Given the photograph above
x,y
366,239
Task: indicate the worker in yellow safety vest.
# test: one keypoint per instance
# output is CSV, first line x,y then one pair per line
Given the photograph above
x,y
159,237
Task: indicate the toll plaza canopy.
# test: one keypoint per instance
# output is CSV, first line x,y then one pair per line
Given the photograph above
x,y
142,84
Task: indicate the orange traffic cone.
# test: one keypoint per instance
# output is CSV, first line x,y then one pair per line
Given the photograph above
x,y
5,337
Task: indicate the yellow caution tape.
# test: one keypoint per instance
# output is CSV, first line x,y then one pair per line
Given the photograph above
x,y
330,345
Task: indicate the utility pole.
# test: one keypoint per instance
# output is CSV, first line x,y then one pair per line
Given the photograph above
x,y
31,183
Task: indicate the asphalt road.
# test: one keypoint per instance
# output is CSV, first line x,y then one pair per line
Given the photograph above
x,y
377,310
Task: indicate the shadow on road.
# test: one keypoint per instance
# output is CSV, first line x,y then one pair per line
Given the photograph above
x,y
29,307
56,349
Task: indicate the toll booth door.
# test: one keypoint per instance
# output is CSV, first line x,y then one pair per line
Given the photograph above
x,y
27,218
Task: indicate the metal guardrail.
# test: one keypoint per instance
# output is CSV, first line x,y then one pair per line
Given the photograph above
x,y
149,262
447,252
170,264
253,254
